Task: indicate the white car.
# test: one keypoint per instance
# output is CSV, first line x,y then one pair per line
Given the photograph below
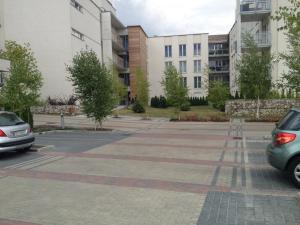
x,y
15,134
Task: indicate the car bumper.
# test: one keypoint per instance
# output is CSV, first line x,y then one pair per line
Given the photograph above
x,y
16,144
276,157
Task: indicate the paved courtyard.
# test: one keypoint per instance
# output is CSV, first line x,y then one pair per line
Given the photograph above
x,y
147,173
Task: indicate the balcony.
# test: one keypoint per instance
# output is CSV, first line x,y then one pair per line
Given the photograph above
x,y
218,52
120,63
262,40
219,69
117,42
255,10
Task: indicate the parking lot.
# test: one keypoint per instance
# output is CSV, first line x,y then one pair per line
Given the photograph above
x,y
156,172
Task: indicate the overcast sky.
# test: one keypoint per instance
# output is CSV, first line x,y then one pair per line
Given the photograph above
x,y
167,17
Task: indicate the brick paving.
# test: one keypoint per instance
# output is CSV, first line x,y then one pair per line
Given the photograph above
x,y
200,173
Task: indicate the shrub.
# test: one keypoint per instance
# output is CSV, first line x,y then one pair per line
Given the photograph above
x,y
26,116
198,101
138,108
159,102
185,107
218,95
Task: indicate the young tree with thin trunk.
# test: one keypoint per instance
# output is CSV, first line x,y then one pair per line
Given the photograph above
x,y
22,87
254,69
176,93
93,85
142,88
291,26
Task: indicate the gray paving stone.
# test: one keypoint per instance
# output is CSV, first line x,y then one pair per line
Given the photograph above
x,y
235,208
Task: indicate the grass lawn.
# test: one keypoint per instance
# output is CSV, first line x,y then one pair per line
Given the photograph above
x,y
205,113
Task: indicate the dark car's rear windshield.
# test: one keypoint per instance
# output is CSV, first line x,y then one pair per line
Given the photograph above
x,y
9,119
290,122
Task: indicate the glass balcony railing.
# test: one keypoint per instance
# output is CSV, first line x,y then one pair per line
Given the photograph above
x,y
117,41
219,69
218,52
262,40
255,6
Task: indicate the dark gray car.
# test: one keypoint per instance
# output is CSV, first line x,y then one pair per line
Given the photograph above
x,y
15,134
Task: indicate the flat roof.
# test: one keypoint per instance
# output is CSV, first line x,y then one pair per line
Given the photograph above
x,y
177,35
139,26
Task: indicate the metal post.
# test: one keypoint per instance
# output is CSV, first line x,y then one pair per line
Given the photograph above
x,y
62,121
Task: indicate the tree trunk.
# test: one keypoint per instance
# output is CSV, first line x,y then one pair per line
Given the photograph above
x,y
258,108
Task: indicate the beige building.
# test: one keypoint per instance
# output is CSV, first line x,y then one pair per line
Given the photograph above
x,y
188,53
58,29
253,16
4,64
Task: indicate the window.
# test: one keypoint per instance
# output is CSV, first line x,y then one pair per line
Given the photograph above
x,y
197,49
77,34
197,82
1,79
182,66
184,81
168,51
168,64
76,5
197,66
182,50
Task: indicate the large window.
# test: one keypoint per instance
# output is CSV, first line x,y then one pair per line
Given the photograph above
x,y
197,66
184,81
77,34
197,49
168,64
197,82
182,50
76,5
182,66
168,51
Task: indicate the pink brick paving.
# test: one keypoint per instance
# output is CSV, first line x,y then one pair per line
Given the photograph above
x,y
155,159
15,222
117,181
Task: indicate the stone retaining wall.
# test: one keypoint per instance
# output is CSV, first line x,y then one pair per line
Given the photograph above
x,y
267,107
51,109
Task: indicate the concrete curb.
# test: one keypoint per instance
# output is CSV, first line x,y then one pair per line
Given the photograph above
x,y
298,198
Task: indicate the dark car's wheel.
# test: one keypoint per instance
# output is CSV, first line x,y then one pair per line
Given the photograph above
x,y
294,171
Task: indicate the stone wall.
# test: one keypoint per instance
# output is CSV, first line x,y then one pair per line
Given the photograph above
x,y
57,109
268,108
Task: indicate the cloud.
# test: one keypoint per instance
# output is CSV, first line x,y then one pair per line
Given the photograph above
x,y
166,17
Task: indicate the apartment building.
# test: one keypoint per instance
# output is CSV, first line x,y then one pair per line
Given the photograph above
x,y
188,53
253,16
59,29
4,64
218,46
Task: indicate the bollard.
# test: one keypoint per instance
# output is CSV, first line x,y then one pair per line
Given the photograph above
x,y
62,121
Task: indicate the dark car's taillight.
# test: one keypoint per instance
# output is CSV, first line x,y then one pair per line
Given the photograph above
x,y
284,138
2,134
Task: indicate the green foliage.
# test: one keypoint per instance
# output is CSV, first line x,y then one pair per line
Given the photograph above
x,y
119,89
198,101
21,88
218,95
186,107
291,26
254,70
142,88
93,85
274,94
176,93
159,102
138,107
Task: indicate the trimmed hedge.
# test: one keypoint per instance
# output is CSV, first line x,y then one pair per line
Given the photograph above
x,y
159,102
198,101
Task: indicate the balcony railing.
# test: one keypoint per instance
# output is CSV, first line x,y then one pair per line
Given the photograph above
x,y
262,40
117,41
219,69
255,6
218,52
120,63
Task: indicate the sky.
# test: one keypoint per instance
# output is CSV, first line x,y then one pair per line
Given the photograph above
x,y
169,17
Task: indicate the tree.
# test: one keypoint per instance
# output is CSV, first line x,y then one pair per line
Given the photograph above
x,y
218,95
142,88
291,26
119,89
93,85
175,92
254,69
21,88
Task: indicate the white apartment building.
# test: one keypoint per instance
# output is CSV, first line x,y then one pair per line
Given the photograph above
x,y
58,29
253,16
188,53
4,64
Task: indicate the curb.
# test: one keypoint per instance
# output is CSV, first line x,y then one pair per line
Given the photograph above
x,y
298,198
